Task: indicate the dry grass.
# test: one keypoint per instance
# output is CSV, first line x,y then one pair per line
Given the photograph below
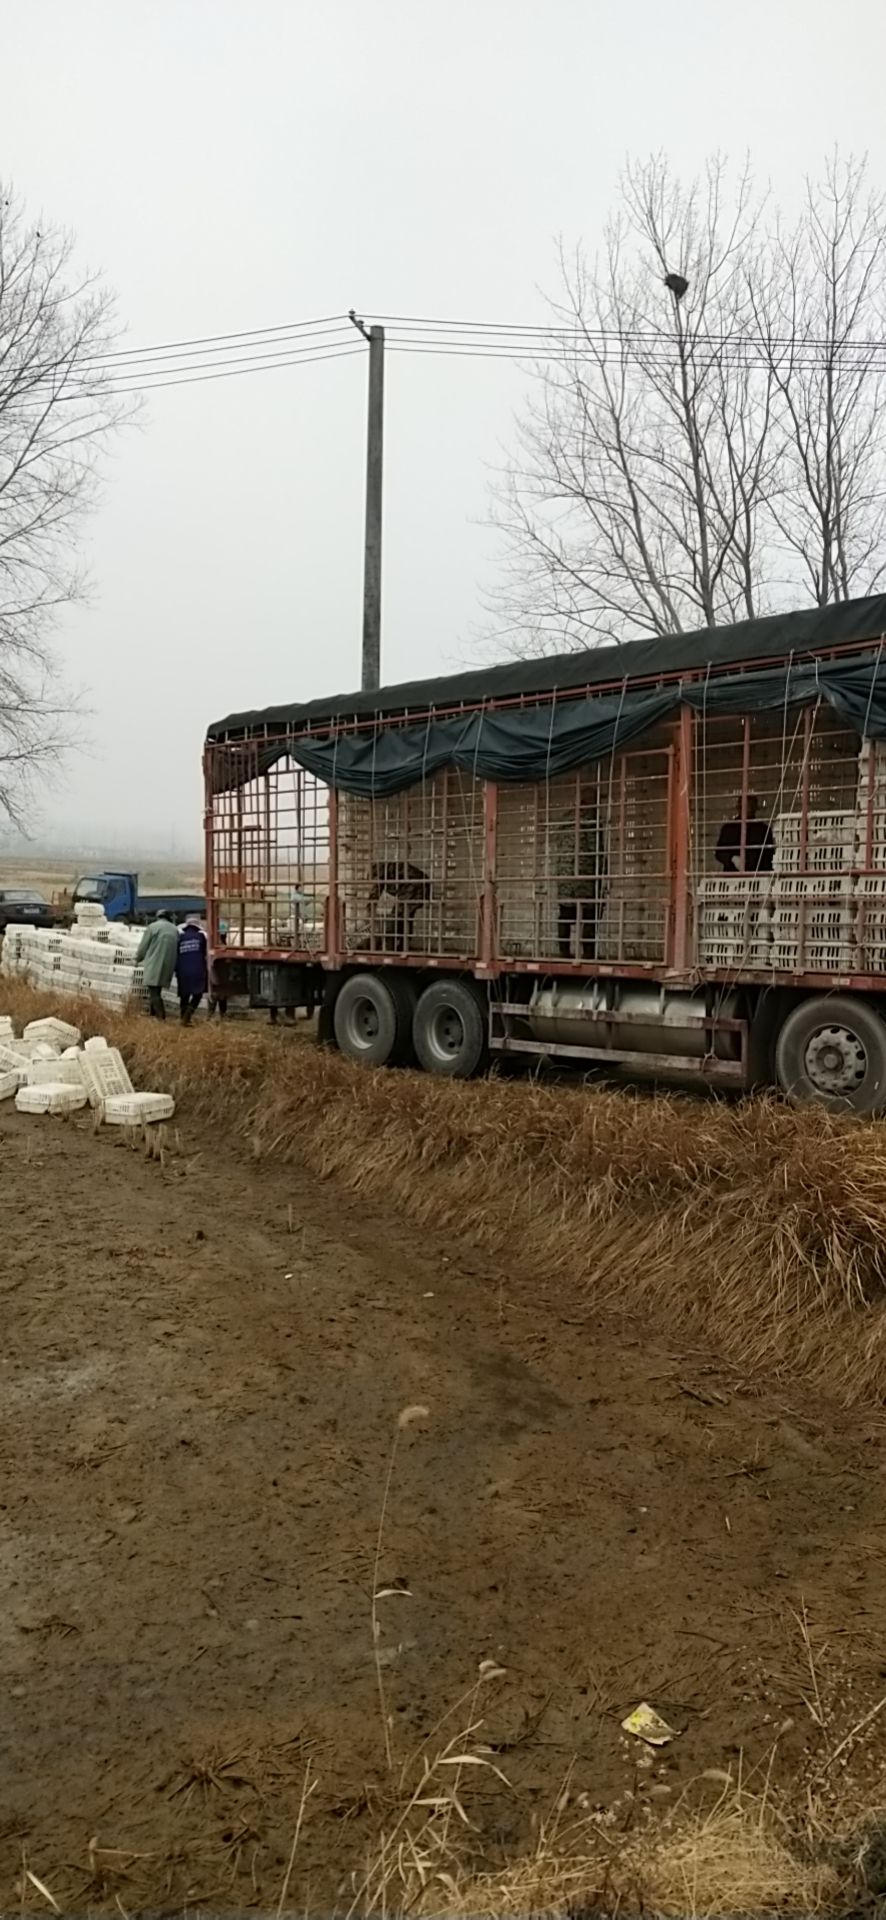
x,y
758,1227
729,1847
738,1858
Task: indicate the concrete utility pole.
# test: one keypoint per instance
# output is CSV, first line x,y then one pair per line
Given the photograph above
x,y
375,429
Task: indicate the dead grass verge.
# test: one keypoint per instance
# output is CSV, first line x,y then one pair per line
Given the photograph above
x,y
739,1858
759,1227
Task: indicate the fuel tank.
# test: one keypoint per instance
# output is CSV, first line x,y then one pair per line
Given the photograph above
x,y
639,1018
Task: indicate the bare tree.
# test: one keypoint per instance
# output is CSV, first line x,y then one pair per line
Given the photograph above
x,y
646,453
57,411
820,314
706,436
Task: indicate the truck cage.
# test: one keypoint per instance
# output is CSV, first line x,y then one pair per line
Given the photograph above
x,y
605,868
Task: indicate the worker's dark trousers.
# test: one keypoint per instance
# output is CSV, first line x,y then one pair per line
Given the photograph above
x,y
156,1008
188,1003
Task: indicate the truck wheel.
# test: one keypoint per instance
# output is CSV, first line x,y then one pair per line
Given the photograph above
x,y
832,1049
373,1019
449,1029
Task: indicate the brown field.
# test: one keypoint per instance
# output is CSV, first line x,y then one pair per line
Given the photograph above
x,y
53,875
585,1389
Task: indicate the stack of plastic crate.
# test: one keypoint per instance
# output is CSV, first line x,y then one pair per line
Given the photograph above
x,y
828,847
813,918
813,924
870,901
95,958
871,805
734,920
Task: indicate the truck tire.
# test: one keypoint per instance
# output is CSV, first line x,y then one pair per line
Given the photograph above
x,y
449,1029
832,1050
372,1019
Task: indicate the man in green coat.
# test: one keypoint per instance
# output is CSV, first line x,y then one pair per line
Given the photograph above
x,y
157,952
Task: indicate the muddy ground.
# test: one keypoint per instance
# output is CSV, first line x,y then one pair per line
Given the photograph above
x,y
202,1367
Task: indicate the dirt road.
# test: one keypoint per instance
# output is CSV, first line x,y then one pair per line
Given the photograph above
x,y
202,1368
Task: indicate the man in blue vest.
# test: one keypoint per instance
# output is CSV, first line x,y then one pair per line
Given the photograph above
x,y
191,969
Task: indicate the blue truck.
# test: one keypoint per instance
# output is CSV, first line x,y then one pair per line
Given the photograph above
x,y
119,895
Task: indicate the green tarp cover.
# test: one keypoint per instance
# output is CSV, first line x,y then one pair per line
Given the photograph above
x,y
776,638
539,742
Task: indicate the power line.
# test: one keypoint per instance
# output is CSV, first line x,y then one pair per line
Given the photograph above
x,y
180,379
579,331
288,344
487,332
196,380
244,362
660,361
208,356
330,322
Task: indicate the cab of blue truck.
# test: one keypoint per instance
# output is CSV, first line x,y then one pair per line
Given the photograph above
x,y
119,895
116,892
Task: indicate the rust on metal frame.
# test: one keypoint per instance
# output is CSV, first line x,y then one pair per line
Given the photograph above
x,y
680,838
489,909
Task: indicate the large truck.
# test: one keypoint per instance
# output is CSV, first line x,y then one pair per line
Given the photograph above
x,y
663,856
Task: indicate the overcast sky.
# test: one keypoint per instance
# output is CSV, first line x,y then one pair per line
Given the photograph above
x,y
231,166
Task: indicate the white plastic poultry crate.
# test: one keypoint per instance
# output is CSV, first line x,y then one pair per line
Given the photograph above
x,y
59,1033
57,1097
105,1076
814,956
137,1109
44,1073
9,1084
733,920
829,847
733,955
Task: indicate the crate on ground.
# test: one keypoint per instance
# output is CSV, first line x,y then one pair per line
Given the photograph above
x,y
10,1081
42,1073
56,1097
137,1109
50,1028
95,958
104,1074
